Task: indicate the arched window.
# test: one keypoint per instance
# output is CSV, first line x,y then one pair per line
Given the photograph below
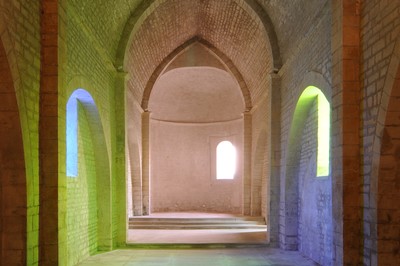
x,y
226,160
72,129
324,122
72,137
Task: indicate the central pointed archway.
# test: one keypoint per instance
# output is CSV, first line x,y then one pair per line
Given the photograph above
x,y
195,40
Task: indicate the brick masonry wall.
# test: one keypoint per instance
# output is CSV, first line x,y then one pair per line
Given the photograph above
x,y
380,27
172,24
183,167
19,29
286,15
388,214
104,21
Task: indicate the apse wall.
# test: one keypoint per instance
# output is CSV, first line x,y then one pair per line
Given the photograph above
x,y
182,159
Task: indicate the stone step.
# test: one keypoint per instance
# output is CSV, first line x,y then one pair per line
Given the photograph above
x,y
197,223
244,219
197,227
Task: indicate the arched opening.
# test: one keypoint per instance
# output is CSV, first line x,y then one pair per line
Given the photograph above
x,y
192,109
13,188
226,160
88,180
72,132
308,188
177,130
312,93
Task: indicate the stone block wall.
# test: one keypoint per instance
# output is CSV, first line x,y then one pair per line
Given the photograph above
x,y
260,151
183,167
86,64
90,35
134,151
13,215
315,197
388,214
309,63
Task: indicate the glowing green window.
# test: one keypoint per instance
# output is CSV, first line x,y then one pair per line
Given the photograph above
x,y
324,121
226,160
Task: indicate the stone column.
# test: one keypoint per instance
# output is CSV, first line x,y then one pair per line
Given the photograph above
x,y
146,162
247,123
273,192
48,135
120,212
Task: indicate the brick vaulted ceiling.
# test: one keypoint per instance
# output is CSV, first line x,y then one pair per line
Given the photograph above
x,y
253,37
231,28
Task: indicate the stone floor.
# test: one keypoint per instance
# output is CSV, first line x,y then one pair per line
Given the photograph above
x,y
197,248
199,257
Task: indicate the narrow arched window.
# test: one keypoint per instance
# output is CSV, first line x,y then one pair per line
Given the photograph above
x,y
226,160
72,137
324,132
80,95
324,121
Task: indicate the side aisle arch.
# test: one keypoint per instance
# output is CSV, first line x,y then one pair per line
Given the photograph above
x,y
79,165
315,93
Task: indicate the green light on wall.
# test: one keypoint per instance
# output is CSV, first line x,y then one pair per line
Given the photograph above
x,y
324,122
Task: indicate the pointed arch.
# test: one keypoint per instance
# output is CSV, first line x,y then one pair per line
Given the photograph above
x,y
168,59
147,7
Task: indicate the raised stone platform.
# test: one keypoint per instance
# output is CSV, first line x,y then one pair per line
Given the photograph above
x,y
197,228
197,223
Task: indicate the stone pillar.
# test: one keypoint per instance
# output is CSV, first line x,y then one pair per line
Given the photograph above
x,y
120,212
346,121
62,104
48,135
273,192
146,162
133,129
247,123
